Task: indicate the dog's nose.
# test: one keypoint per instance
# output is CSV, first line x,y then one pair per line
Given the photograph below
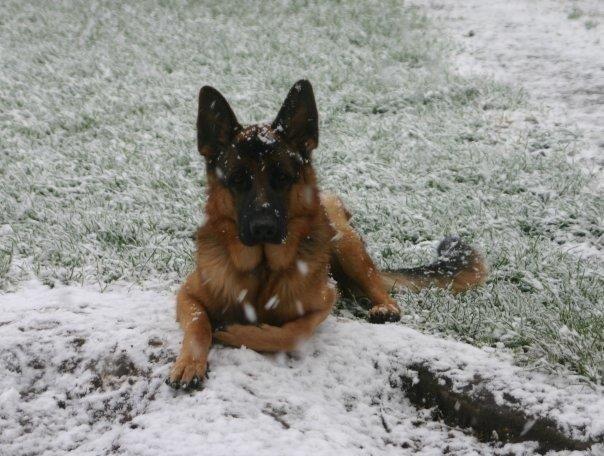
x,y
264,229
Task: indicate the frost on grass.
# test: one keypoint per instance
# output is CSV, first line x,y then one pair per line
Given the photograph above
x,y
101,181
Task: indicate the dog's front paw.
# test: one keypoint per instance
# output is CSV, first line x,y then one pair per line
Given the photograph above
x,y
237,335
384,312
187,373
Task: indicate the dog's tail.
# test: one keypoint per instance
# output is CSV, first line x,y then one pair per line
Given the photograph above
x,y
458,267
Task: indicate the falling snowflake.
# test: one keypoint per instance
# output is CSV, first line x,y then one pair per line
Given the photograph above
x,y
299,307
527,427
302,267
272,303
250,312
242,294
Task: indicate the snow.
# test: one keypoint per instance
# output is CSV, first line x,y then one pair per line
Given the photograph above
x,y
553,50
272,302
266,136
6,230
83,371
250,312
299,307
302,267
527,427
242,294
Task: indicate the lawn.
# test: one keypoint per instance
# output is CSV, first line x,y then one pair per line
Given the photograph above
x,y
101,183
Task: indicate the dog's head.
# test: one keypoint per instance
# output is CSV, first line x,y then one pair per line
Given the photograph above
x,y
260,169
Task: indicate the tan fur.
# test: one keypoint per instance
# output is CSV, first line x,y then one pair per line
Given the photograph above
x,y
230,276
271,297
349,252
319,232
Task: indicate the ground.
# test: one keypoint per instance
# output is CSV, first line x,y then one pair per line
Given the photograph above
x,y
92,380
551,49
481,119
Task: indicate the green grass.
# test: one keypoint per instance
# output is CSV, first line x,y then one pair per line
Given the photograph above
x,y
100,181
575,13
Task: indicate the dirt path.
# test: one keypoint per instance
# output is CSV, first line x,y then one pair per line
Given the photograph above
x,y
553,49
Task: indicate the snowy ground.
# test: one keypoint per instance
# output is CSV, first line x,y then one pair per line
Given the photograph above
x,y
85,371
101,187
553,49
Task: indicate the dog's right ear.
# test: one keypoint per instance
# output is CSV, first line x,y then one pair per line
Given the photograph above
x,y
216,122
298,118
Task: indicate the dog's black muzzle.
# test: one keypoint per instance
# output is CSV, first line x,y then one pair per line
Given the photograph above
x,y
262,227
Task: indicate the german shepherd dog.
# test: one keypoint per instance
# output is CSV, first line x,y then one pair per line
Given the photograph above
x,y
271,240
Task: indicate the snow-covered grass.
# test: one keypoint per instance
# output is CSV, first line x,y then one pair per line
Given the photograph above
x,y
100,181
552,49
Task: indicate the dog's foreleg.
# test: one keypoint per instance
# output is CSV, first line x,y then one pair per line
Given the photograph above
x,y
356,264
190,366
267,338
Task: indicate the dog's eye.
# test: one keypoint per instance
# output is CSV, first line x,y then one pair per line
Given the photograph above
x,y
280,179
240,180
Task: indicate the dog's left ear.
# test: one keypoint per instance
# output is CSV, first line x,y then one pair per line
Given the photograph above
x,y
298,119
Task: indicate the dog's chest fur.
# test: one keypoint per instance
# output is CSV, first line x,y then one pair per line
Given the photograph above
x,y
262,294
